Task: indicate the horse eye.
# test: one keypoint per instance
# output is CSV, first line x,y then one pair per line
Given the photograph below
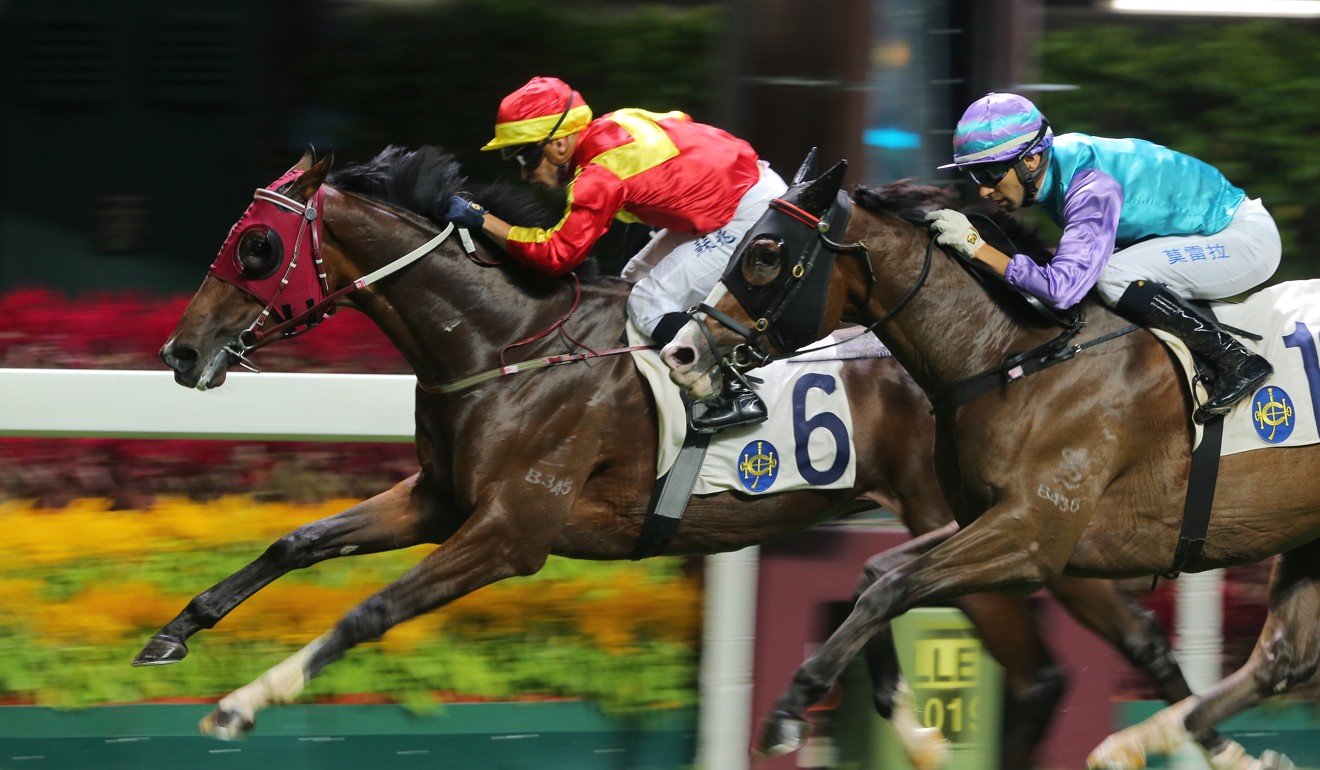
x,y
762,262
260,252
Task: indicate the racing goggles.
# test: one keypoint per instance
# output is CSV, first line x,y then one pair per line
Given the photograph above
x,y
990,174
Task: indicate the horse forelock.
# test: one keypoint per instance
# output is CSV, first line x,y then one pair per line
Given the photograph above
x,y
909,201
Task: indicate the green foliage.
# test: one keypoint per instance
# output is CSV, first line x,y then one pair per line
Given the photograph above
x,y
434,73
1244,97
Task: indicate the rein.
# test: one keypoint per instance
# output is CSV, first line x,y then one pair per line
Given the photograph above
x,y
255,337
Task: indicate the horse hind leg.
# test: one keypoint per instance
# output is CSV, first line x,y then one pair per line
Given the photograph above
x,y
1287,653
925,747
401,517
486,549
1009,632
1116,617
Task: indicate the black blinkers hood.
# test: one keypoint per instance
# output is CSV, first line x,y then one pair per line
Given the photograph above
x,y
789,309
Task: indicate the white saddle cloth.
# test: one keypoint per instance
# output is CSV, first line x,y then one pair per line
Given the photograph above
x,y
807,441
1285,411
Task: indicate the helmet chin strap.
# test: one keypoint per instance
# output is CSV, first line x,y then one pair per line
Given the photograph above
x,y
1030,180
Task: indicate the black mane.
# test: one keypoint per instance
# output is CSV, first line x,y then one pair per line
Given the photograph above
x,y
422,181
910,202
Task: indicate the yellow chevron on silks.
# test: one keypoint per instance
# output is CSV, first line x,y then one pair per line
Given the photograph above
x,y
650,146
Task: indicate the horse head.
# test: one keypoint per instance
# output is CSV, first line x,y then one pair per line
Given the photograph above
x,y
778,292
268,268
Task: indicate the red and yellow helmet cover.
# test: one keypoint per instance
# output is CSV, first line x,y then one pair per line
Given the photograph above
x,y
527,115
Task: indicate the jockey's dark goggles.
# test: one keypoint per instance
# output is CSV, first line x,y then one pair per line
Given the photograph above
x,y
527,155
990,174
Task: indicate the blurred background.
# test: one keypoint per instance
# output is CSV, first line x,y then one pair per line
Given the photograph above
x,y
131,136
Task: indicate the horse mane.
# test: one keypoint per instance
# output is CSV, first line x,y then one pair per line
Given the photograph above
x,y
910,202
423,180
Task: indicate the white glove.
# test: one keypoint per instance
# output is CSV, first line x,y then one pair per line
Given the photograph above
x,y
955,231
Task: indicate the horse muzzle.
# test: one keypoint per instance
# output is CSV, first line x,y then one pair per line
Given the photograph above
x,y
191,370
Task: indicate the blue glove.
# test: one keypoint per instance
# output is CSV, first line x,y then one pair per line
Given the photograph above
x,y
465,213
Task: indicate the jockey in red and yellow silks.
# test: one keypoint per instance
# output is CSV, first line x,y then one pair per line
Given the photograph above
x,y
700,185
663,170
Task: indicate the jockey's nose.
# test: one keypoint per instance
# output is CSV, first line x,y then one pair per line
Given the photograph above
x,y
181,358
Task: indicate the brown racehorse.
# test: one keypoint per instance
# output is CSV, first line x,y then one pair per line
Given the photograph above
x,y
485,452
1080,469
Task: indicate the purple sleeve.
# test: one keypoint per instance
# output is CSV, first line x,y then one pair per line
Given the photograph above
x,y
1090,225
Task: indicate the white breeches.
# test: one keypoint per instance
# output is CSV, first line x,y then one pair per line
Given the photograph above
x,y
677,270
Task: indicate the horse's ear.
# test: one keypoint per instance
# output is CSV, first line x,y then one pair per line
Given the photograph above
x,y
305,162
808,168
306,185
819,195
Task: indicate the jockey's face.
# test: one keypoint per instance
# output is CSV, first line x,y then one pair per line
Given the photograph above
x,y
547,174
1009,193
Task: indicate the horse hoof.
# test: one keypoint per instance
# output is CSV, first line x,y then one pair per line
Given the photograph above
x,y
1273,760
161,650
225,725
931,750
780,734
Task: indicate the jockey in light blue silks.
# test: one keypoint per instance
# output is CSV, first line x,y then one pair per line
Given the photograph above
x,y
1148,227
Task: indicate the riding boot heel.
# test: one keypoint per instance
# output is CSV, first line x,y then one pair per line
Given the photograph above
x,y
737,404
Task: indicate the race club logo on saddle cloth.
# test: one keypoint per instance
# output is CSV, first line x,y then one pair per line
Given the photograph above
x,y
1285,411
807,442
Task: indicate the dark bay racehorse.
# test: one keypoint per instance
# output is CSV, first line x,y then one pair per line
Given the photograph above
x,y
488,453
1080,469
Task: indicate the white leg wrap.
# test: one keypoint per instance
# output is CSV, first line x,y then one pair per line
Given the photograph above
x,y
926,747
1161,734
279,684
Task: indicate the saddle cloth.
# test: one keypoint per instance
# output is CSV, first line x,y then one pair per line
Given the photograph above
x,y
1285,411
806,443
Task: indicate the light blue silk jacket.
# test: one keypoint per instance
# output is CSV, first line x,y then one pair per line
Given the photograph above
x,y
1112,193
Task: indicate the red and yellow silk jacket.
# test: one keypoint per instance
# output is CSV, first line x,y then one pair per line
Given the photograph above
x,y
636,166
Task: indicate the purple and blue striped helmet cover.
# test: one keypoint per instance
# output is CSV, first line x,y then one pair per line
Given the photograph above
x,y
995,128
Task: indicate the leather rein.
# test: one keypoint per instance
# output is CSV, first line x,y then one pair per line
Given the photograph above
x,y
255,337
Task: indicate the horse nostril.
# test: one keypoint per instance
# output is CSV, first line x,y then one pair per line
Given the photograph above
x,y
683,356
180,358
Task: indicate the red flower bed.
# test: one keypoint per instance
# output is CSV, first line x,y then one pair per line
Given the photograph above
x,y
48,330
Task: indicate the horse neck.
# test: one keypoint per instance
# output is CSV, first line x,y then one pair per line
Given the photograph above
x,y
951,329
447,315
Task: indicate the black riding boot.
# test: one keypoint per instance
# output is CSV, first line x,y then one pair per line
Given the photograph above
x,y
1237,371
737,404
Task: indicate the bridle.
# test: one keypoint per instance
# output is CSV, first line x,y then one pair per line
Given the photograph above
x,y
271,208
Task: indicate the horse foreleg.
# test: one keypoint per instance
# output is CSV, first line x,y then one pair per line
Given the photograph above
x,y
987,555
401,517
1287,653
486,549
